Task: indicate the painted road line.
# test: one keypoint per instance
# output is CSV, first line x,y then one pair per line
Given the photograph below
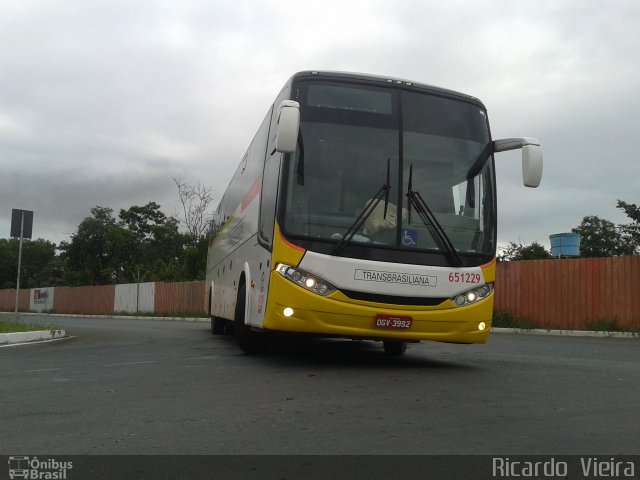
x,y
130,363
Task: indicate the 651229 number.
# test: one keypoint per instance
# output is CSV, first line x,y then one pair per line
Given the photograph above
x,y
464,277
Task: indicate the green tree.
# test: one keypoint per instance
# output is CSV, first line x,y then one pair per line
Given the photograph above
x,y
195,260
8,263
101,251
142,220
601,238
160,246
143,244
518,251
39,267
631,231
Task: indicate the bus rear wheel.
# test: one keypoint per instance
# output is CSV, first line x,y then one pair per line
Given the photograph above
x,y
218,325
394,347
249,341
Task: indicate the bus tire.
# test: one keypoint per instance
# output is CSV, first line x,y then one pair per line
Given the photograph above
x,y
229,327
249,341
218,325
394,347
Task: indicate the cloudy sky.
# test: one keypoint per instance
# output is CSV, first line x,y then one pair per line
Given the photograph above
x,y
104,102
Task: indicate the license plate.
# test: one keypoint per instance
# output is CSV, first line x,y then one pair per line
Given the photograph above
x,y
393,322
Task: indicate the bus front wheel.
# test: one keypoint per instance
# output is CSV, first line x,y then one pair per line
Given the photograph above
x,y
394,348
249,341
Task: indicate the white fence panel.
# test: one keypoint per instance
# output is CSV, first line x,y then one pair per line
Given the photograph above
x,y
134,297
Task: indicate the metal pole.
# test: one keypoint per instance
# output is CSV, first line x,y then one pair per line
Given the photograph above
x,y
19,265
138,292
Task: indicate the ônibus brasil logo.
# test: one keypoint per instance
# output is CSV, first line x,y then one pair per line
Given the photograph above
x,y
33,468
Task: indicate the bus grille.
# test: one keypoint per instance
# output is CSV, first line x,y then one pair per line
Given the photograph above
x,y
393,299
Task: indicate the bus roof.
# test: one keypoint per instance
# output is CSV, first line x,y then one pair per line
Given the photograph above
x,y
379,79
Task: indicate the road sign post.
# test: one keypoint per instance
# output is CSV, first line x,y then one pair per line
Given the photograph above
x,y
21,226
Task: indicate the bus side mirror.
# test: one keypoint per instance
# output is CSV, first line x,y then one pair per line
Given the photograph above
x,y
531,157
288,125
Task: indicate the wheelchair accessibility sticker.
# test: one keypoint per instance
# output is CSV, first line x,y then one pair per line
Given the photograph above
x,y
409,238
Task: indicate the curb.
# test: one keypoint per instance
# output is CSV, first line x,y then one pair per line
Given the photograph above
x,y
136,317
566,333
27,337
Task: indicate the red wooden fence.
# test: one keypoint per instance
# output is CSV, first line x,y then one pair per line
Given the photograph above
x,y
96,300
8,300
571,293
183,297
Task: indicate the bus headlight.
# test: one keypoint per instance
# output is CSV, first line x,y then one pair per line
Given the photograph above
x,y
473,295
305,280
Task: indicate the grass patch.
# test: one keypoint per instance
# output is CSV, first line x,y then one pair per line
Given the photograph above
x,y
9,326
505,319
609,326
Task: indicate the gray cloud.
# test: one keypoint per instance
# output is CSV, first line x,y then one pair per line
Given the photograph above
x,y
101,103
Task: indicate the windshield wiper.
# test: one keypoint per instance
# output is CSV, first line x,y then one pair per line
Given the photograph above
x,y
300,172
429,219
366,212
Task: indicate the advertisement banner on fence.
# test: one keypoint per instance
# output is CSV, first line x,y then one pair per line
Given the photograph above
x,y
41,299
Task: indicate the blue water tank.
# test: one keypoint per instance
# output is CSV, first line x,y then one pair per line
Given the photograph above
x,y
565,245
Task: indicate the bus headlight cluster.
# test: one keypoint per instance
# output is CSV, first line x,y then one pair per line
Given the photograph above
x,y
305,280
473,295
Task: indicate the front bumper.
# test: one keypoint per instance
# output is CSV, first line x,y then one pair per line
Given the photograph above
x,y
338,315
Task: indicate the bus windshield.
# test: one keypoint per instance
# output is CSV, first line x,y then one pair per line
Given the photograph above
x,y
357,141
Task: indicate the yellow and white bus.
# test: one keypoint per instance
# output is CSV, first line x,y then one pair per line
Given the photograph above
x,y
364,208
